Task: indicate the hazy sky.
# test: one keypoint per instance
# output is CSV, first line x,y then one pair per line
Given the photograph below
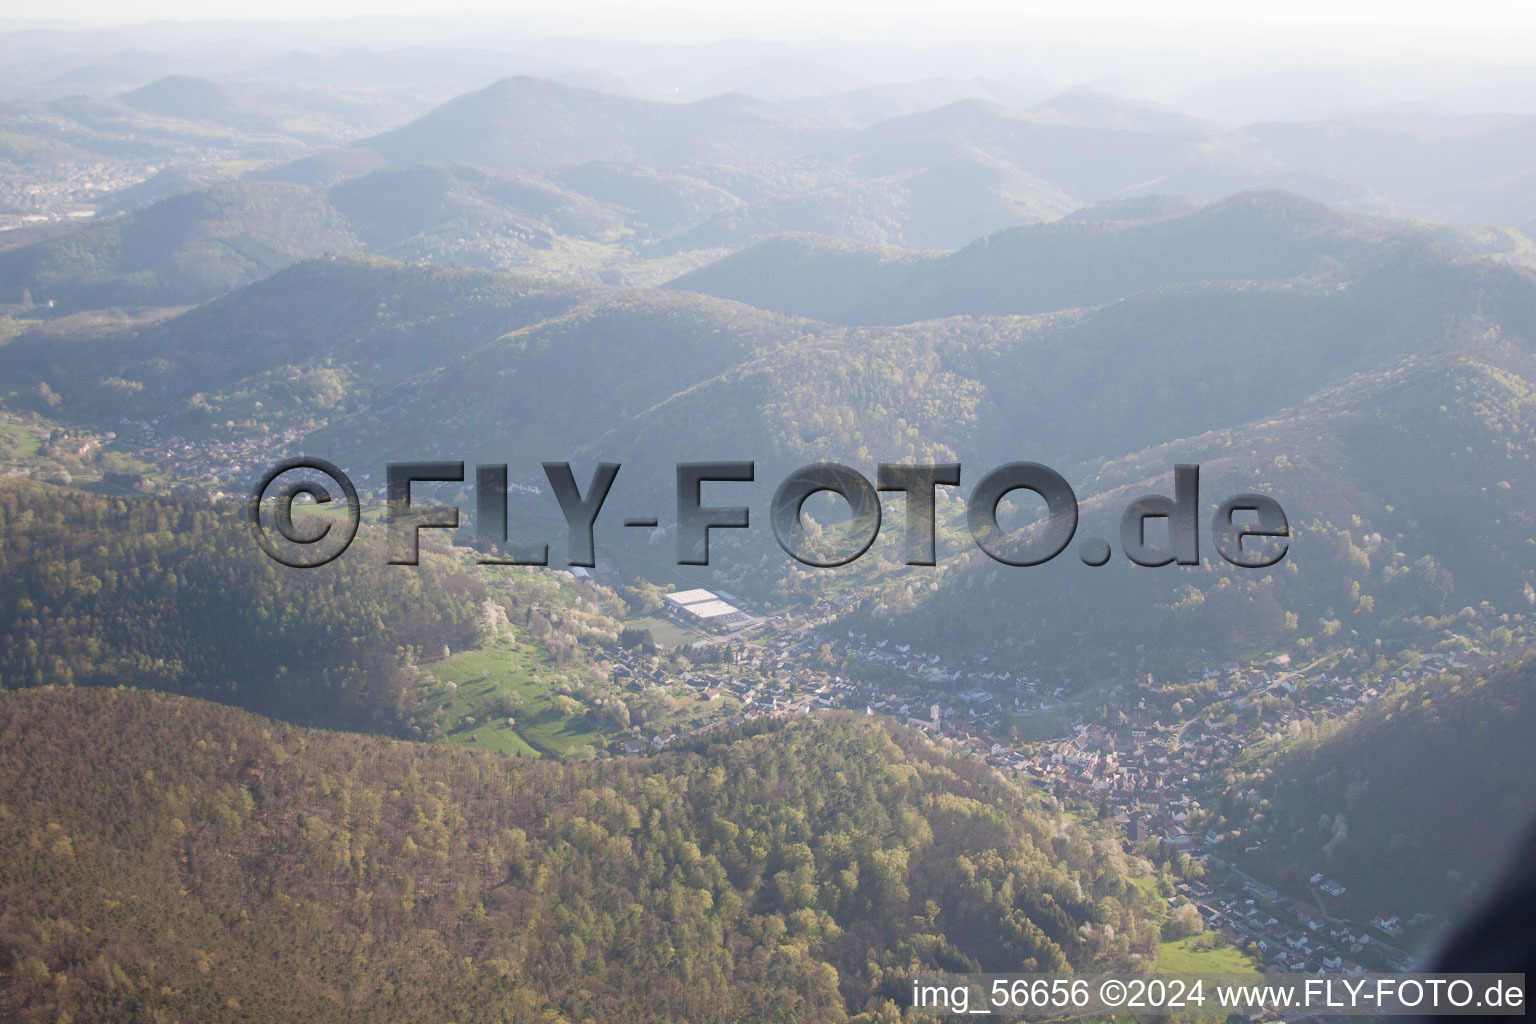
x,y
1505,26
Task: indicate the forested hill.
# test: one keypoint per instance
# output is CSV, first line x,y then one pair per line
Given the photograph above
x,y
172,859
1103,255
172,594
1409,803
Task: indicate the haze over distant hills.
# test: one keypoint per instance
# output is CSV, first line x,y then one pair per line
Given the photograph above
x,y
529,173
958,249
1108,347
224,246
1087,259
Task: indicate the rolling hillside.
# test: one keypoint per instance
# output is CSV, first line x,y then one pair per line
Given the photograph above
x,y
312,338
185,249
486,791
173,596
528,124
1362,344
1083,260
1430,785
1374,553
173,856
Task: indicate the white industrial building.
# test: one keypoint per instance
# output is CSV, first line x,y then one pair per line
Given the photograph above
x,y
704,608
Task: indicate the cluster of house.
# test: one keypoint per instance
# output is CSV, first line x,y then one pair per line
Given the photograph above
x,y
762,681
777,677
233,462
1288,935
1136,769
65,191
1145,770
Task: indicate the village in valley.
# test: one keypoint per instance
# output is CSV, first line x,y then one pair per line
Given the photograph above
x,y
1144,768
1141,755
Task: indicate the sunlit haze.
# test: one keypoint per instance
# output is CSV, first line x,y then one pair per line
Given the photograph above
x,y
1317,26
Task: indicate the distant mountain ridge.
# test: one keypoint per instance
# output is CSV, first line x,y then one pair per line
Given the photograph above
x,y
1078,261
532,173
185,249
1184,337
195,99
529,124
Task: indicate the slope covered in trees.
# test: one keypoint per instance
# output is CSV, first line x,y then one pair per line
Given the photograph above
x,y
175,859
1410,802
313,340
1379,477
188,248
1390,361
1102,255
527,124
170,594
1334,295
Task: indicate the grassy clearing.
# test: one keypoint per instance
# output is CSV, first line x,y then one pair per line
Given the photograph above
x,y
481,680
1044,725
1186,956
665,632
1208,953
1149,885
336,508
18,437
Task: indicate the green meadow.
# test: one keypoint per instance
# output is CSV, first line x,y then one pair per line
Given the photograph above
x,y
1190,956
476,683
